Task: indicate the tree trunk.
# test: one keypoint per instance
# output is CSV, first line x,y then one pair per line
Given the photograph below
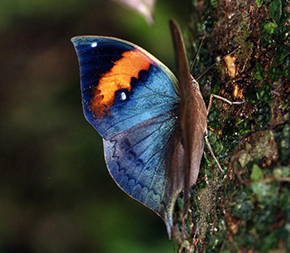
x,y
246,208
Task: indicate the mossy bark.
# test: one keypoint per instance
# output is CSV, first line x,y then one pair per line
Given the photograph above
x,y
247,208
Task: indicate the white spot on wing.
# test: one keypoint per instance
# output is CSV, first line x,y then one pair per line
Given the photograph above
x,y
94,44
123,96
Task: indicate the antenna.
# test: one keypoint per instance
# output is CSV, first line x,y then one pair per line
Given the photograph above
x,y
197,53
215,64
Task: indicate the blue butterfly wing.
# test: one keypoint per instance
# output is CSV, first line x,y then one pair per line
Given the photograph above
x,y
147,95
137,160
131,99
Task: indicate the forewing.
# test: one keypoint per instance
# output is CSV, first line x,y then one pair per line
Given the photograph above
x,y
122,85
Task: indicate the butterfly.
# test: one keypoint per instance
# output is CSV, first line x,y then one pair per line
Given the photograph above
x,y
152,123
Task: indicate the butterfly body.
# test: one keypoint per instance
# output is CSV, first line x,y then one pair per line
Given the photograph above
x,y
135,104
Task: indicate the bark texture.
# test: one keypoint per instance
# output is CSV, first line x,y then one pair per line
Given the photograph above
x,y
247,208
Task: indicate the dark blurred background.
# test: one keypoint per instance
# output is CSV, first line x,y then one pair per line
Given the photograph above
x,y
55,192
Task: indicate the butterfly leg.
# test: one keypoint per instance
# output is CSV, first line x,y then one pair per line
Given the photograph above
x,y
206,131
211,151
196,54
223,99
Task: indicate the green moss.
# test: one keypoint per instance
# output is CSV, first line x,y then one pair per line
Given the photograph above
x,y
282,137
275,10
214,120
267,193
274,73
281,33
243,209
282,52
251,95
215,140
260,72
267,41
259,3
263,114
244,126
256,173
287,67
214,3
264,93
268,27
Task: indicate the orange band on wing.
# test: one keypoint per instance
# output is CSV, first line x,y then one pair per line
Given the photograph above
x,y
119,77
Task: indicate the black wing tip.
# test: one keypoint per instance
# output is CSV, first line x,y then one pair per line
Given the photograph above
x,y
77,40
